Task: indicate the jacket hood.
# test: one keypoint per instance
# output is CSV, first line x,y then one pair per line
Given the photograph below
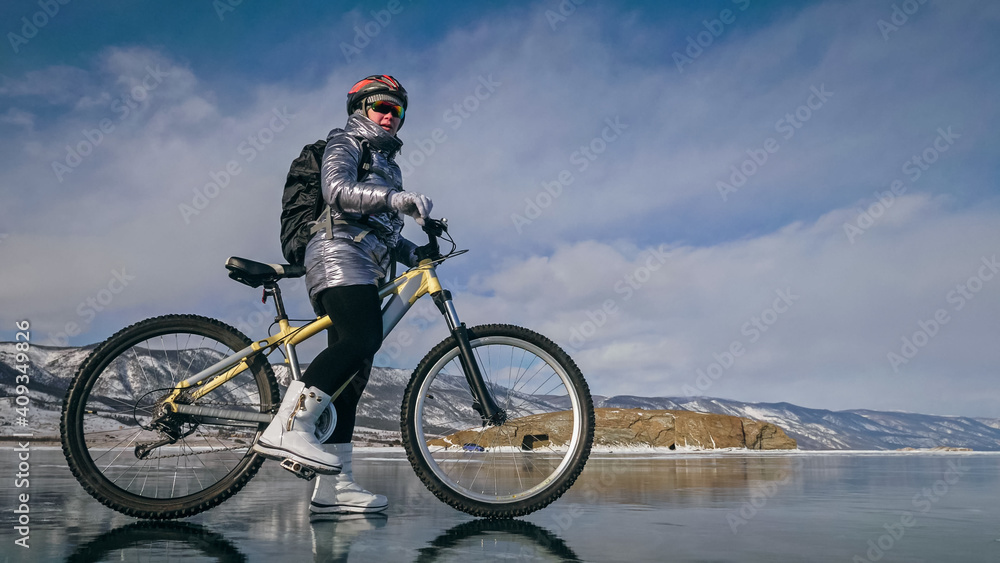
x,y
380,140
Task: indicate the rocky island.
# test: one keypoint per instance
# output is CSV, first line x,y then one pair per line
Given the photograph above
x,y
669,429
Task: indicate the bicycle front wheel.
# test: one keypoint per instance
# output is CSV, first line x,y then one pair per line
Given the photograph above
x,y
510,469
128,455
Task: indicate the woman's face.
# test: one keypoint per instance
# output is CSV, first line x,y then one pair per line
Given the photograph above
x,y
385,120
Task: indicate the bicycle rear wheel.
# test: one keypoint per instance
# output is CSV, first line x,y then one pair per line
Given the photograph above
x,y
510,469
111,403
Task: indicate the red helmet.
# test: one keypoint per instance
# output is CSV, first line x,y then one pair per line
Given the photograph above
x,y
375,84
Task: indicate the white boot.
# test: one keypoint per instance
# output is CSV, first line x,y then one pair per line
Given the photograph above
x,y
340,493
291,434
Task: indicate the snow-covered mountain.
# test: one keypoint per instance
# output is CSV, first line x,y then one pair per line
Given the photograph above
x,y
52,369
819,429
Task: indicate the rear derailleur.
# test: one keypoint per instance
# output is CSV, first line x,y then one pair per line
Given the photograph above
x,y
170,425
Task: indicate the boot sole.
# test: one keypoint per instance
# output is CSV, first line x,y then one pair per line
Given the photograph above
x,y
344,508
279,454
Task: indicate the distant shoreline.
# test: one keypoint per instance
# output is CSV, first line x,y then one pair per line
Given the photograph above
x,y
48,443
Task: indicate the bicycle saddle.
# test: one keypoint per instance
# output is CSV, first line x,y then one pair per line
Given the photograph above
x,y
256,274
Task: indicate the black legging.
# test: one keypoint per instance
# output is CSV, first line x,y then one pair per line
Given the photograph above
x,y
353,340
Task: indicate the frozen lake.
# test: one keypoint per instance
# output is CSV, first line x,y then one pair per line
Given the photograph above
x,y
722,506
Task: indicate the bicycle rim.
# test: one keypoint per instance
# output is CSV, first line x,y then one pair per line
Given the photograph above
x,y
524,458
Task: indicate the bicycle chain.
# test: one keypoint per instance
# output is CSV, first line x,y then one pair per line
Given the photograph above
x,y
196,453
206,403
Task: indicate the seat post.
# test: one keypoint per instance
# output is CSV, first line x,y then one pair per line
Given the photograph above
x,y
279,305
291,358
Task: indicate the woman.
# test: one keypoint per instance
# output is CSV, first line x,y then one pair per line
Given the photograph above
x,y
343,265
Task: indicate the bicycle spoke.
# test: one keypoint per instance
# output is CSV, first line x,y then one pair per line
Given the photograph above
x,y
139,363
136,473
521,372
108,466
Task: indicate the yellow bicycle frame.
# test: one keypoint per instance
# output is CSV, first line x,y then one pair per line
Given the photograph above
x,y
403,292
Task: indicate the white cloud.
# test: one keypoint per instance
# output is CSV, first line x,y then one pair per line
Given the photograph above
x,y
22,118
851,305
542,96
58,84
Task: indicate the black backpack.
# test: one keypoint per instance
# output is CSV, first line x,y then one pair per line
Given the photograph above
x,y
302,201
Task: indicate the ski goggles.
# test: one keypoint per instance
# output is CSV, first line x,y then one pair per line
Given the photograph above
x,y
384,107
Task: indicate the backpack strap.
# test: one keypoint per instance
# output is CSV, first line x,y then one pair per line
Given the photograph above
x,y
325,222
364,168
365,162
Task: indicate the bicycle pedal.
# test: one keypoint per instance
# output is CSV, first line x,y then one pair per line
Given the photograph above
x,y
300,471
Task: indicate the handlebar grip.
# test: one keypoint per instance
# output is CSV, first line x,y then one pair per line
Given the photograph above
x,y
434,228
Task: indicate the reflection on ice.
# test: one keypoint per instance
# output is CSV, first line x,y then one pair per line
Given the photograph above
x,y
157,541
673,507
333,535
334,539
481,540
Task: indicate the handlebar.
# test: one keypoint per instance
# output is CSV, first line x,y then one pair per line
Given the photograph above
x,y
437,228
434,229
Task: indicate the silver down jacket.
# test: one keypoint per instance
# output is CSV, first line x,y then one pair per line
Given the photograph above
x,y
340,258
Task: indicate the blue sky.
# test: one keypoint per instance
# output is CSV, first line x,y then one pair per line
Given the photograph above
x,y
725,235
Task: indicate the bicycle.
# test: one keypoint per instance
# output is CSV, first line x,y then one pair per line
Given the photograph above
x,y
160,419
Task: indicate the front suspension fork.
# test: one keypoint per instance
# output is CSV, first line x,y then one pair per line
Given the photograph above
x,y
485,404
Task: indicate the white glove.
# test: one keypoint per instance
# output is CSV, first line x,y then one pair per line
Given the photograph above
x,y
413,204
